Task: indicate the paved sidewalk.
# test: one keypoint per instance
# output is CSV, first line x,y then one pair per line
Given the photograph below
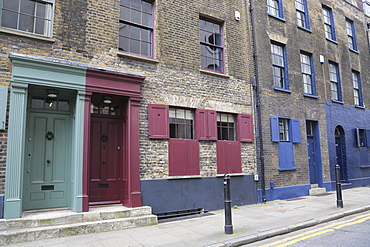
x,y
251,223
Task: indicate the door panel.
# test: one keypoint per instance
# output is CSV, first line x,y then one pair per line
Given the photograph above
x,y
47,161
105,160
312,160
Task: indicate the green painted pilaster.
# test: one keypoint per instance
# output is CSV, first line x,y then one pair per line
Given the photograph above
x,y
15,152
78,138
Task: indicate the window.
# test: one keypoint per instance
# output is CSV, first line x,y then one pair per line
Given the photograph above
x,y
352,44
181,123
357,89
136,27
336,93
328,23
279,70
309,86
211,45
302,14
31,16
226,127
284,129
285,132
361,139
275,8
184,128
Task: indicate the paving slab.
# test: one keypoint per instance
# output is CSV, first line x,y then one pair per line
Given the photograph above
x,y
251,223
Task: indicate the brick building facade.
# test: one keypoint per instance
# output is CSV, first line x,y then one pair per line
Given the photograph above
x,y
83,79
310,53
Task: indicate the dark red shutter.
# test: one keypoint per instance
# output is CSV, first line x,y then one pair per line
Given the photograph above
x,y
212,125
158,121
228,157
183,157
201,124
205,125
245,128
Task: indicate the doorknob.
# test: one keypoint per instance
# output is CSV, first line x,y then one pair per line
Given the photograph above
x,y
48,161
103,161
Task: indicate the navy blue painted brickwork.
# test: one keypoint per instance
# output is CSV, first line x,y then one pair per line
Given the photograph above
x,y
281,193
349,118
1,206
169,195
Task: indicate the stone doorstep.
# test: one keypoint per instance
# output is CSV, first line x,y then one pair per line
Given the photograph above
x,y
60,217
317,191
47,232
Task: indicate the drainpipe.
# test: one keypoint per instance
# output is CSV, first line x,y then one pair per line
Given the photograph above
x,y
258,118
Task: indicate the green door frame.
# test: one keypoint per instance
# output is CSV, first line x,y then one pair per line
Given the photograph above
x,y
31,70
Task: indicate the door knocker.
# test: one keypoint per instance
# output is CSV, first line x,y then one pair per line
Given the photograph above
x,y
104,138
49,135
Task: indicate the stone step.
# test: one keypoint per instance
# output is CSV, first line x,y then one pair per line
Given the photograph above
x,y
317,191
45,225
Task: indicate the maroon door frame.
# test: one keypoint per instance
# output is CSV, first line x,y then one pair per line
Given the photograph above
x,y
126,85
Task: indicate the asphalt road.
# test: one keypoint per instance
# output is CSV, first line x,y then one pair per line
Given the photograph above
x,y
352,231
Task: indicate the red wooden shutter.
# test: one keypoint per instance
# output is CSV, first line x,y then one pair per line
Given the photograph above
x,y
205,124
212,125
183,157
228,157
245,128
201,124
158,121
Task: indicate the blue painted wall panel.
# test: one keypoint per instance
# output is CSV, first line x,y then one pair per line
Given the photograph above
x,y
350,118
168,195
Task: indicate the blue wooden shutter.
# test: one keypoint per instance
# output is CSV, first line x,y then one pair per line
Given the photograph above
x,y
245,128
3,104
357,137
286,156
275,129
158,121
367,138
296,131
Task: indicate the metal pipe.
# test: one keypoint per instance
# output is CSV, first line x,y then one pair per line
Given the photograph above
x,y
259,142
338,187
228,219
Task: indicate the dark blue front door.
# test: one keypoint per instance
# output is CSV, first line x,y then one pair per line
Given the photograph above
x,y
312,160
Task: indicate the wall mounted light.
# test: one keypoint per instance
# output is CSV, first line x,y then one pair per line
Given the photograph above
x,y
52,93
107,100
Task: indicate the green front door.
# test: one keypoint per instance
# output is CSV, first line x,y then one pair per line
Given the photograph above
x,y
47,161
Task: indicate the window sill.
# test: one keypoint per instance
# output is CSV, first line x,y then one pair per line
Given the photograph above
x,y
231,174
333,41
27,35
123,54
337,101
310,96
359,106
184,177
282,90
288,169
277,17
364,167
305,29
214,73
354,51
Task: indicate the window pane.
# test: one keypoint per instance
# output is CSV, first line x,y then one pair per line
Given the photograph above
x,y
63,105
123,44
147,19
40,26
26,23
145,35
9,19
37,103
135,32
136,16
27,7
147,7
125,2
41,10
135,46
124,13
11,4
136,4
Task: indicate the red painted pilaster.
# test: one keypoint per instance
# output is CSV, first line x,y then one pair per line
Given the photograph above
x,y
86,154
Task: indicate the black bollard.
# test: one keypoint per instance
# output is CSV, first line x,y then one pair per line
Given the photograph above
x,y
228,220
338,187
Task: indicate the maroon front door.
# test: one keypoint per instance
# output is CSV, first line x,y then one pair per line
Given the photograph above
x,y
105,160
